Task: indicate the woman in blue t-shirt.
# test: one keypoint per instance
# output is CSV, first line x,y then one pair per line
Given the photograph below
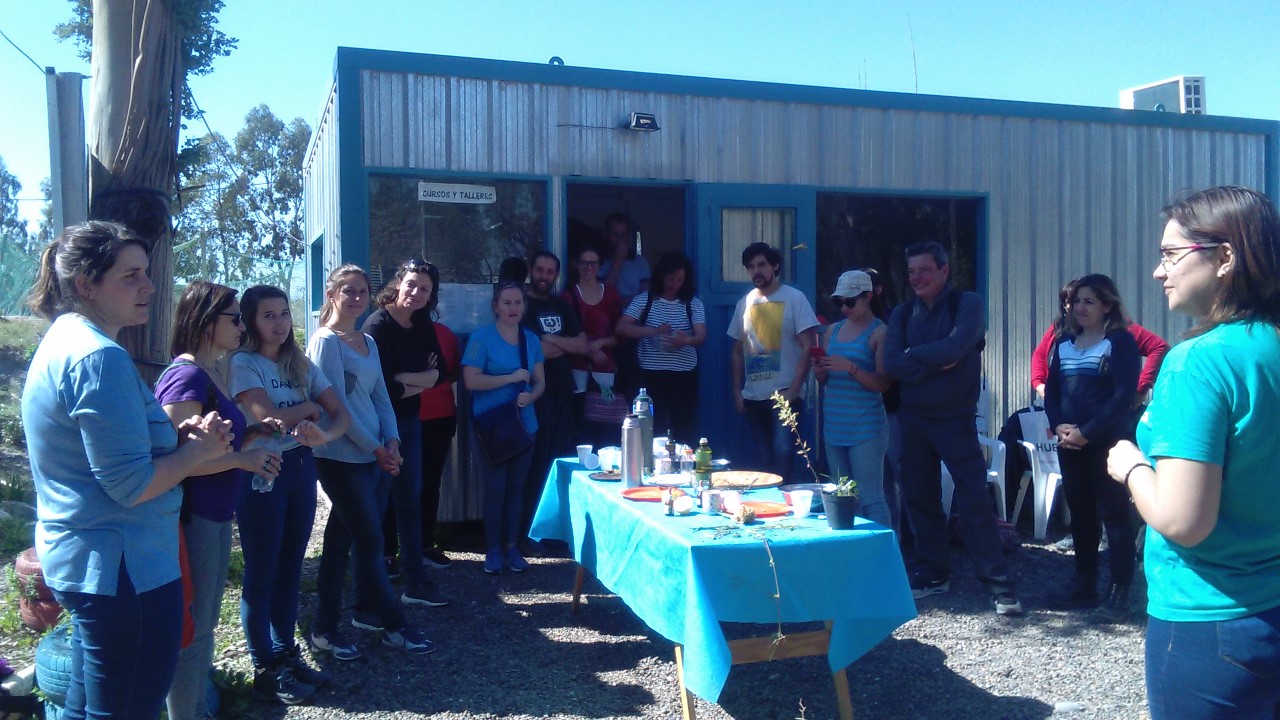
x,y
1088,396
106,464
494,372
1205,477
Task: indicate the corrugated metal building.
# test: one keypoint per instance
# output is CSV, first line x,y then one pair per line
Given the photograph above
x,y
1027,195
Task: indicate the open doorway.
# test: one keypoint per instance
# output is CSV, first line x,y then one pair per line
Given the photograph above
x,y
657,212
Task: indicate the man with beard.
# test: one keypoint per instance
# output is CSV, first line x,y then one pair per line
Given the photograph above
x,y
772,330
934,346
551,319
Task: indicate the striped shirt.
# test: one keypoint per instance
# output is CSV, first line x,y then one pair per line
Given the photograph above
x,y
854,414
673,312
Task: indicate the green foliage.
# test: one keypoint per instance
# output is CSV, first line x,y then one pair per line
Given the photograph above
x,y
19,337
16,633
235,689
11,223
196,22
17,533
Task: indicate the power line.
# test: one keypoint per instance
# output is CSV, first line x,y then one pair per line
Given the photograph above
x,y
24,52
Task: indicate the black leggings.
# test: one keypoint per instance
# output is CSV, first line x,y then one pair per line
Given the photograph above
x,y
1092,496
675,403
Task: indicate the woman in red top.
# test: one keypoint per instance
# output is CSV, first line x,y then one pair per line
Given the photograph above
x,y
599,308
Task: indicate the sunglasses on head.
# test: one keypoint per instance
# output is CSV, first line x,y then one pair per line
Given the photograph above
x,y
417,265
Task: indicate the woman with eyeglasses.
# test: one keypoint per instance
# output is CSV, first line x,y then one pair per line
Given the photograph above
x,y
1203,471
356,472
599,307
410,354
495,373
1088,396
670,323
106,464
207,327
851,369
271,378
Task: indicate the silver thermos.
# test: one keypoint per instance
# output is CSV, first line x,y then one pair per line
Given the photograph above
x,y
632,452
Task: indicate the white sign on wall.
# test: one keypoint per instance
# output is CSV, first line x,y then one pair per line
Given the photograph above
x,y
452,193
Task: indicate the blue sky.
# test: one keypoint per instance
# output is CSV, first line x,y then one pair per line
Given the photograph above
x,y
1078,53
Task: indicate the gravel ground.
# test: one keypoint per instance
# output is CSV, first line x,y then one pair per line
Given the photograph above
x,y
509,648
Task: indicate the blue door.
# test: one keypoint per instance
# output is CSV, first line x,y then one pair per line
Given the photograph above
x,y
728,218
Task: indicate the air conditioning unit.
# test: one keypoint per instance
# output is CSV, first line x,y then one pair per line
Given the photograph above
x,y
1182,94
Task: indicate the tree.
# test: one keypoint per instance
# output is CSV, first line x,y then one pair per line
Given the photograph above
x,y
11,224
141,52
241,214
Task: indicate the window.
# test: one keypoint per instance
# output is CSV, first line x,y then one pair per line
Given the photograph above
x,y
739,227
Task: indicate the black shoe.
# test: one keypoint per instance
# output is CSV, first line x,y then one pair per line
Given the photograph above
x,y
366,620
435,558
393,568
1115,607
278,684
426,593
922,587
1080,594
1006,603
302,671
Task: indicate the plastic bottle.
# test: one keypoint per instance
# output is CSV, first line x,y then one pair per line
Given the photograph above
x,y
702,465
273,444
644,412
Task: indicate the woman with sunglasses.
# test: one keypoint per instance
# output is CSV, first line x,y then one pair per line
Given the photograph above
x,y
410,354
356,472
106,463
495,373
852,371
271,378
1203,472
207,327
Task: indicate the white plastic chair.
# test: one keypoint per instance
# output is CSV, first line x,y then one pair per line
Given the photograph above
x,y
995,476
1044,488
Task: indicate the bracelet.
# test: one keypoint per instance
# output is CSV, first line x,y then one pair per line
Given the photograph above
x,y
1135,467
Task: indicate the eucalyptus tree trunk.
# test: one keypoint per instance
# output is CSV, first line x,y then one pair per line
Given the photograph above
x,y
135,109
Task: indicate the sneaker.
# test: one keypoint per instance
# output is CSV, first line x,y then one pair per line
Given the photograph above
x,y
436,559
393,568
1080,594
923,588
335,644
424,593
366,620
1065,544
493,562
1115,606
1006,603
515,560
304,672
408,640
279,685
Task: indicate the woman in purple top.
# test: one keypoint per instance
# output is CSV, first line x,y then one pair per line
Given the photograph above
x,y
207,326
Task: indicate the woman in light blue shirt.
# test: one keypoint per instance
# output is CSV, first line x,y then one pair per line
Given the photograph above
x,y
106,463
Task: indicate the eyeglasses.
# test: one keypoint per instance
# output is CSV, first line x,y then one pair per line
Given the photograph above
x,y
236,318
588,263
1169,256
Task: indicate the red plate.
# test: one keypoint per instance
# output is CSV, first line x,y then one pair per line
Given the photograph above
x,y
644,493
767,508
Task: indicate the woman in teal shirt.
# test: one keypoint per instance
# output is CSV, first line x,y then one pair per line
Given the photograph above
x,y
1205,478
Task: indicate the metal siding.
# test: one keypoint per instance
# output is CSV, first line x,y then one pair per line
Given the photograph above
x,y
1065,195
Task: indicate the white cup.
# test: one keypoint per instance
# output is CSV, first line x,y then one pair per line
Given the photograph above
x,y
801,503
583,452
592,462
610,457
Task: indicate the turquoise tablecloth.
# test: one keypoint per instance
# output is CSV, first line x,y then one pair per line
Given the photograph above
x,y
682,580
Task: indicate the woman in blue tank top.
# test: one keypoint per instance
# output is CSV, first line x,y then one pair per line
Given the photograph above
x,y
856,433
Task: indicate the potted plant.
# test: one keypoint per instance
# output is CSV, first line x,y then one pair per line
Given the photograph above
x,y
840,504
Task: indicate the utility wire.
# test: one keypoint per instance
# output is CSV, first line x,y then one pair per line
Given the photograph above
x,y
24,52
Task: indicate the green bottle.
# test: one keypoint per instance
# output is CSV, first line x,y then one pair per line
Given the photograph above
x,y
702,465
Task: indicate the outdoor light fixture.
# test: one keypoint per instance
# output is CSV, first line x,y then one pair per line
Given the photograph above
x,y
644,122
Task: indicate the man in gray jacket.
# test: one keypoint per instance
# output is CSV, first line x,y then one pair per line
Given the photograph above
x,y
934,346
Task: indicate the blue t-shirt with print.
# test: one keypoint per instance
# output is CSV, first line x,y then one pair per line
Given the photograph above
x,y
1217,401
494,356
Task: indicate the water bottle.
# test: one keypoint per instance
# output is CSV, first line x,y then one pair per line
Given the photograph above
x,y
644,412
275,443
632,452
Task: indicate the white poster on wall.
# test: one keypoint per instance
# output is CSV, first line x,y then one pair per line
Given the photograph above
x,y
454,193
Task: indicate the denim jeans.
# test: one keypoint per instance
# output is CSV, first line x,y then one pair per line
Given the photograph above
x,y
864,463
503,497
354,529
926,441
893,472
774,443
1228,669
124,649
208,555
406,501
1094,498
437,439
274,530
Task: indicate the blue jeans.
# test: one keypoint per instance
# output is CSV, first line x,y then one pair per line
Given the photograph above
x,y
774,443
274,530
864,463
1214,670
406,501
124,649
208,555
503,497
354,529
